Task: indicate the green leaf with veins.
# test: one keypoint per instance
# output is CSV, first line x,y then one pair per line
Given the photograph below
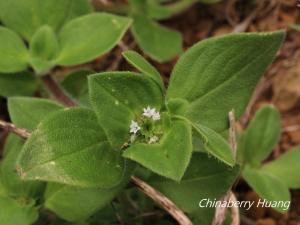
x,y
261,135
43,49
118,98
143,66
286,167
27,16
70,147
13,52
15,213
177,106
203,216
76,84
10,179
170,157
88,37
75,203
78,8
267,186
220,74
159,42
17,84
22,114
215,144
204,178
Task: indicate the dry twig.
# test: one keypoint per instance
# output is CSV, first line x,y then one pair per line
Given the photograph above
x,y
162,200
12,128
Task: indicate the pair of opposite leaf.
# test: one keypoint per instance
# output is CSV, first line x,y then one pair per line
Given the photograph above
x,y
59,33
159,42
68,146
202,91
24,198
273,179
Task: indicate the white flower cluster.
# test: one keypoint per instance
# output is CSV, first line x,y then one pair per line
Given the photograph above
x,y
151,113
134,126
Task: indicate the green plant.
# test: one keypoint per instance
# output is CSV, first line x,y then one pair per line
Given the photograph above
x,y
295,27
131,125
56,33
157,41
255,145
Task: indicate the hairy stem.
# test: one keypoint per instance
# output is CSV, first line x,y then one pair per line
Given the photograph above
x,y
57,92
117,8
12,128
162,200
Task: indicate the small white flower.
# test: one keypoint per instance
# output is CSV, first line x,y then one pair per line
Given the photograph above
x,y
134,127
148,112
156,116
153,139
151,113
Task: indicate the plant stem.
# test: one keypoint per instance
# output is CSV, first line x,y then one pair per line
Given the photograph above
x,y
117,8
220,213
55,89
12,128
155,195
162,200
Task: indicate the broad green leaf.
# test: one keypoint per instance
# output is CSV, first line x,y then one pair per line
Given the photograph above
x,y
215,144
21,113
15,213
205,178
13,52
17,84
76,204
177,106
10,179
143,66
267,186
219,74
151,9
26,16
118,98
240,155
85,38
159,42
70,147
262,135
76,84
2,188
203,216
73,203
286,168
170,157
158,12
43,48
28,112
79,8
